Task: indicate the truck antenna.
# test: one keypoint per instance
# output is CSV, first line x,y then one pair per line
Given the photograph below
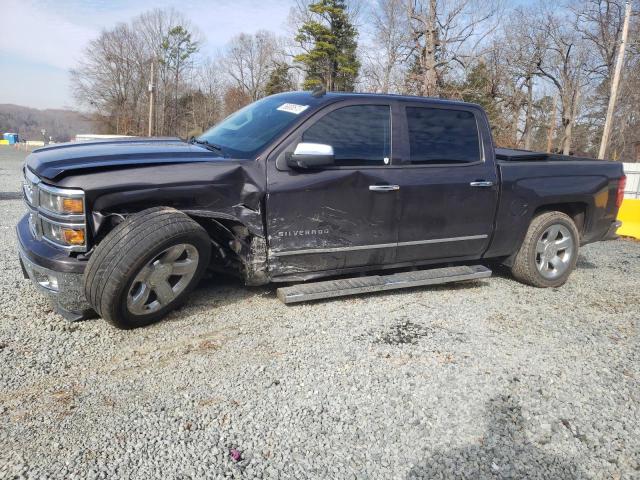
x,y
319,91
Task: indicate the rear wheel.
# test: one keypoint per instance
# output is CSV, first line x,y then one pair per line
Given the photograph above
x,y
549,251
146,267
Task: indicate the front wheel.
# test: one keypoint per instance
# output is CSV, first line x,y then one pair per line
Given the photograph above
x,y
146,267
549,251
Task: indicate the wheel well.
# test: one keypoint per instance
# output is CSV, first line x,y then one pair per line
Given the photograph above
x,y
238,251
576,210
235,250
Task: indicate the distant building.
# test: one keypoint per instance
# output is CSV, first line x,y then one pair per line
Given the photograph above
x,y
85,137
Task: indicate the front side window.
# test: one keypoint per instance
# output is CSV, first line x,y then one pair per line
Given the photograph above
x,y
437,135
360,134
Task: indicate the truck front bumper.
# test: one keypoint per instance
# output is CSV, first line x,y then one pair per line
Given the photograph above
x,y
54,273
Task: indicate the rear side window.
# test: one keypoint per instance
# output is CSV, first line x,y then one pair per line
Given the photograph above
x,y
438,135
359,134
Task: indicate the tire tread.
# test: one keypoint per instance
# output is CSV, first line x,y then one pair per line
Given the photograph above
x,y
524,269
117,254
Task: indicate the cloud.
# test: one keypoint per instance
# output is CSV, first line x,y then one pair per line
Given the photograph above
x,y
55,33
41,36
42,39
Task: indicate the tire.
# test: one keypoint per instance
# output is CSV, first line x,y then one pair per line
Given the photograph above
x,y
535,263
133,280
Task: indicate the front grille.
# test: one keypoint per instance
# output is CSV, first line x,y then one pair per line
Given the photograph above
x,y
39,216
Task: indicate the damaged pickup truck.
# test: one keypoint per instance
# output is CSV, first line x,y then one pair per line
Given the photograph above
x,y
299,186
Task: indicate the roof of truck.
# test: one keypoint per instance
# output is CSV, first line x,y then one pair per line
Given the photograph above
x,y
332,96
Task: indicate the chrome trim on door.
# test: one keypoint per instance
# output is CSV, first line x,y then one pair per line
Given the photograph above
x,y
375,246
441,240
384,188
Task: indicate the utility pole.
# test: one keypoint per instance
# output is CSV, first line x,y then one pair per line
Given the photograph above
x,y
151,90
615,83
552,124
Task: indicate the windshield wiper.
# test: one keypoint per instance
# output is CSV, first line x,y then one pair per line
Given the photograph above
x,y
210,146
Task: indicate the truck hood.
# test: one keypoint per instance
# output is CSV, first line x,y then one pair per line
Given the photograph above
x,y
57,160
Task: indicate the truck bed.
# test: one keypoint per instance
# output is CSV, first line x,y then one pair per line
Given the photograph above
x,y
517,155
529,180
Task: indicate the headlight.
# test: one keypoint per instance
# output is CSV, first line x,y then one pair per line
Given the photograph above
x,y
68,202
56,215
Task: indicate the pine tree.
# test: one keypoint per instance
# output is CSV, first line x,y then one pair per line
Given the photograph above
x,y
279,80
329,40
177,48
479,87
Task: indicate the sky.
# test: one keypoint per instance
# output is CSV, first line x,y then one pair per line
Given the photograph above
x,y
40,40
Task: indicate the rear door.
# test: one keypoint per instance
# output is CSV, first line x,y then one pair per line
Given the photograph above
x,y
341,216
448,185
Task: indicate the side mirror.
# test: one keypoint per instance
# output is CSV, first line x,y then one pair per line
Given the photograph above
x,y
311,155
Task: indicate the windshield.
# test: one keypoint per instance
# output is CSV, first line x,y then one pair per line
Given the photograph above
x,y
244,133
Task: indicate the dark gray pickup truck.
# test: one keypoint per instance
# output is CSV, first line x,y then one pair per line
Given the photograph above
x,y
299,186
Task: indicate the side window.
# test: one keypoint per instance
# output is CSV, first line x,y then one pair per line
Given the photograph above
x,y
359,134
438,135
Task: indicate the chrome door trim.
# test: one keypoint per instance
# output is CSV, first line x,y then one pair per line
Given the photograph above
x,y
442,240
374,246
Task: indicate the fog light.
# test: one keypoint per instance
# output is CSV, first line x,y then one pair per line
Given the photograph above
x,y
50,282
73,236
53,282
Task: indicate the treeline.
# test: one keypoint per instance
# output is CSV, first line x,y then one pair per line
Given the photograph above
x,y
543,71
59,125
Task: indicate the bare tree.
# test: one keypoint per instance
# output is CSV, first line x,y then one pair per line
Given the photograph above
x,y
383,60
524,48
153,30
564,64
112,77
446,34
107,80
249,60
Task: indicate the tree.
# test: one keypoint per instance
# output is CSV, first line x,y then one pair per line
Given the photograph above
x,y
446,34
108,79
524,48
279,80
249,61
382,69
564,64
479,87
112,76
328,41
177,49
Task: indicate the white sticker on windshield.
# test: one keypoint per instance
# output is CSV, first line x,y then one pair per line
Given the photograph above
x,y
292,108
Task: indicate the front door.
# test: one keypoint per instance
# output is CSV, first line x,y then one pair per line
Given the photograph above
x,y
340,216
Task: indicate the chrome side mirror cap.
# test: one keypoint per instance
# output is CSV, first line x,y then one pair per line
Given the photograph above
x,y
311,155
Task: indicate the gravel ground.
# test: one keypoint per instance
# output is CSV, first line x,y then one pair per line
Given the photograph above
x,y
490,379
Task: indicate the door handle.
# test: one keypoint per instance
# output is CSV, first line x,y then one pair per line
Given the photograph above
x,y
384,188
481,183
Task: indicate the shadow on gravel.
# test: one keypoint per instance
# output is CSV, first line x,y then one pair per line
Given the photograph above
x,y
503,452
584,263
219,290
10,196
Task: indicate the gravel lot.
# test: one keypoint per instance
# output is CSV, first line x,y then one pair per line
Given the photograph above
x,y
490,379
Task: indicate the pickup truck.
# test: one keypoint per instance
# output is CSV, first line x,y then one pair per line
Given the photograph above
x,y
299,186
